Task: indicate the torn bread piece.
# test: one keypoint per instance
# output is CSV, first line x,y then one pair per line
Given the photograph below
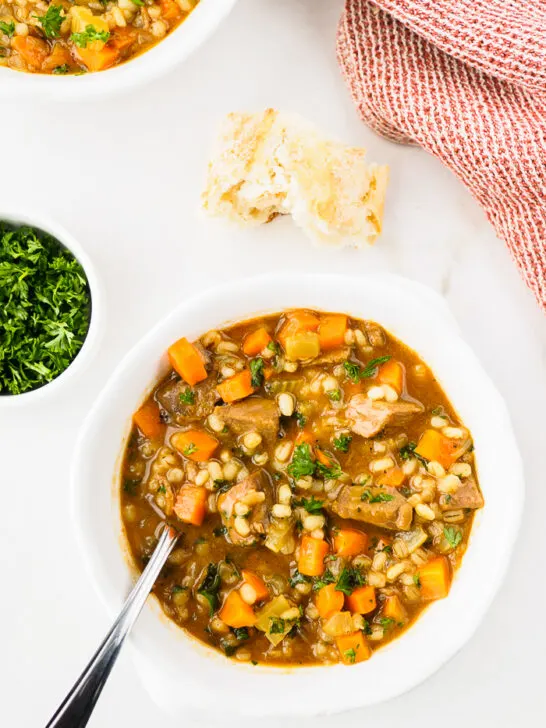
x,y
273,163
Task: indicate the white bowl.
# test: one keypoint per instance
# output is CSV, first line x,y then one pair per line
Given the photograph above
x,y
173,49
83,357
181,673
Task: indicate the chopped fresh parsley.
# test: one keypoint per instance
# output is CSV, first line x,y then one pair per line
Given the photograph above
x,y
386,549
52,20
189,449
334,395
274,347
140,3
386,622
257,372
349,579
355,373
187,396
408,451
229,649
241,633
219,531
311,505
45,308
342,442
222,486
298,578
453,536
350,655
324,471
366,629
162,489
326,578
302,462
437,411
352,371
210,586
7,28
300,419
417,580
448,497
61,70
277,625
89,35
369,497
177,589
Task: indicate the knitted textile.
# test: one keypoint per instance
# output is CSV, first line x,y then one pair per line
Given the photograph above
x,y
465,80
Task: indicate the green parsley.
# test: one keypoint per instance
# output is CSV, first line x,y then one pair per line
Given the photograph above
x,y
222,486
302,462
386,622
300,419
324,471
326,578
369,497
355,373
350,655
349,579
298,578
140,3
417,580
274,347
7,28
162,489
241,633
408,451
311,505
367,628
89,35
257,372
277,625
177,589
342,442
453,536
219,531
61,70
45,308
187,396
229,649
334,395
437,411
51,22
189,449
352,371
210,586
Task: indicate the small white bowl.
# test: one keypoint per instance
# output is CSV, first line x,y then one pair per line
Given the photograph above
x,y
169,52
181,673
81,360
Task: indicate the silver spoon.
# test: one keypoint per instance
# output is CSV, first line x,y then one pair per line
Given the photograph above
x,y
76,708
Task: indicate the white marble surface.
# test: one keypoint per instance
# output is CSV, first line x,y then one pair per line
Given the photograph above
x,y
124,175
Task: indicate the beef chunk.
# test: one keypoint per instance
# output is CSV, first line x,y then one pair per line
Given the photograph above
x,y
257,519
252,414
384,507
204,393
374,332
336,356
468,495
368,417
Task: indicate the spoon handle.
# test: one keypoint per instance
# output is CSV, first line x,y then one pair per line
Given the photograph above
x,y
76,708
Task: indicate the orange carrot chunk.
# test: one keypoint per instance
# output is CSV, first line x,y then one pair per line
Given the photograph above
x,y
362,600
349,542
190,504
170,10
328,601
353,648
195,444
97,59
187,361
32,50
312,553
256,341
235,612
434,446
393,477
295,323
148,421
332,331
392,373
257,583
236,387
435,578
393,609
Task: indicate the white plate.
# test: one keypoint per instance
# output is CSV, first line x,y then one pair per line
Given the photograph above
x,y
181,673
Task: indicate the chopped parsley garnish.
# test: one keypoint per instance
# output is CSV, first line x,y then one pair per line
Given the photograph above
x,y
369,497
162,489
311,505
274,347
61,70
89,35
189,449
52,20
437,411
300,419
334,395
352,371
386,622
140,3
350,655
366,629
349,579
45,308
408,451
342,442
453,536
276,625
417,580
355,373
302,462
187,396
229,649
210,586
326,578
177,589
219,531
257,372
241,633
324,471
7,28
298,578
222,486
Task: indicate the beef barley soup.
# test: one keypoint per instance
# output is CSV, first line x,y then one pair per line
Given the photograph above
x,y
322,482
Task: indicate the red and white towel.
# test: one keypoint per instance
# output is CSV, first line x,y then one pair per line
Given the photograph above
x,y
465,80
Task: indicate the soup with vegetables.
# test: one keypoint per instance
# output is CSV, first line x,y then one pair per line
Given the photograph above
x,y
62,38
322,482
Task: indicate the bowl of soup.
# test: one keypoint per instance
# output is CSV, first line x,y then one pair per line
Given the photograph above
x,y
65,50
328,448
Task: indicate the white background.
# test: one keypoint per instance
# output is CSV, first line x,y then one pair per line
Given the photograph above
x,y
124,176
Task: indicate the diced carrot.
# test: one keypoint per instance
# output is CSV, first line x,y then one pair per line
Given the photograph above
x,y
362,600
170,10
353,648
148,421
122,38
256,341
312,553
236,387
393,477
190,505
59,56
187,361
295,323
350,388
332,331
435,578
195,444
392,373
97,59
236,612
257,583
434,446
329,601
32,50
268,373
323,458
305,436
393,609
349,542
